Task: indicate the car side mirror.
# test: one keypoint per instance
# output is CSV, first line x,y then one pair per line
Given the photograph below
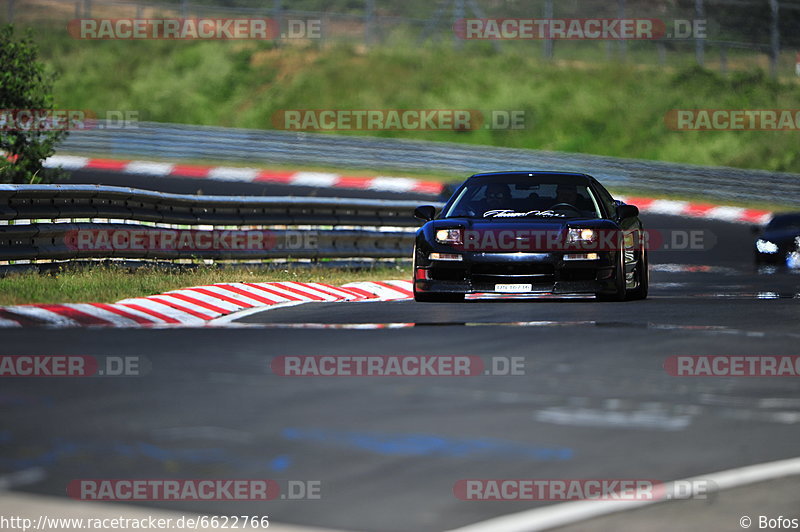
x,y
425,213
627,211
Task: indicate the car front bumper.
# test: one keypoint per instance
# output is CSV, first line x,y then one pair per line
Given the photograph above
x,y
545,272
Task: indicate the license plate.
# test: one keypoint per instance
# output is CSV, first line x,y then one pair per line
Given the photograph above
x,y
513,288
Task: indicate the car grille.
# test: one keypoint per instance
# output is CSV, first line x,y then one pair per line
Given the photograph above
x,y
514,270
447,274
578,275
487,275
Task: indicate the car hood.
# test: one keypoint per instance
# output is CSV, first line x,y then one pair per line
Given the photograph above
x,y
514,224
781,236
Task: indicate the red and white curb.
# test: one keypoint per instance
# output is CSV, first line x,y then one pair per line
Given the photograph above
x,y
247,175
698,210
377,183
198,305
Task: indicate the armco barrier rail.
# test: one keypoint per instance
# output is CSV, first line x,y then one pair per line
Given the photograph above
x,y
151,140
59,222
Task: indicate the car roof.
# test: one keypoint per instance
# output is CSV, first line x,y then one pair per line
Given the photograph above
x,y
785,217
535,173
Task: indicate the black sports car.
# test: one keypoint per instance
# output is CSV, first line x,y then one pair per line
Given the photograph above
x,y
779,242
530,233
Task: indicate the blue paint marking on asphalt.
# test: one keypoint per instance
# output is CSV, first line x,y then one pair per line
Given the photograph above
x,y
60,449
46,458
24,400
280,463
426,444
163,455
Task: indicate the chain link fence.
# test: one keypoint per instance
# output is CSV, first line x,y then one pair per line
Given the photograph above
x,y
720,34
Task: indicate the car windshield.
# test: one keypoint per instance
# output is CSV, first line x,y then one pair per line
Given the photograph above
x,y
785,222
524,196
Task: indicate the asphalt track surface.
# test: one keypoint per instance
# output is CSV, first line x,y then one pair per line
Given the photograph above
x,y
594,402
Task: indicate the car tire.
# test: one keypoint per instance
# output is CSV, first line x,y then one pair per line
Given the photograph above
x,y
619,282
643,276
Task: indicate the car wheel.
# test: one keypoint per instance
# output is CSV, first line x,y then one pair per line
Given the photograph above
x,y
619,282
642,274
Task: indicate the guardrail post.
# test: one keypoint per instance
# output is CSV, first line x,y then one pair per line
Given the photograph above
x,y
699,43
323,33
277,17
433,22
775,38
623,43
458,14
548,42
478,12
369,22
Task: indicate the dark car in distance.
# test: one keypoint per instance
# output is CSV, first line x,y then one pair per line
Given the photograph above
x,y
530,233
779,242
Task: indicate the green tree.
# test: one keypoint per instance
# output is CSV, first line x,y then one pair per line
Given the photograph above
x,y
25,85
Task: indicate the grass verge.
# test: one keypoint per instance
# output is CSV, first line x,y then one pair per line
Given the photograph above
x,y
604,108
107,284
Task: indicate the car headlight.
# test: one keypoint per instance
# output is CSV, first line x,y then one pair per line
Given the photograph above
x,y
581,235
581,256
446,256
449,236
765,246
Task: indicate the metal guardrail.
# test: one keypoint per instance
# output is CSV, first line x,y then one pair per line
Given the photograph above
x,y
97,201
160,140
63,241
84,221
